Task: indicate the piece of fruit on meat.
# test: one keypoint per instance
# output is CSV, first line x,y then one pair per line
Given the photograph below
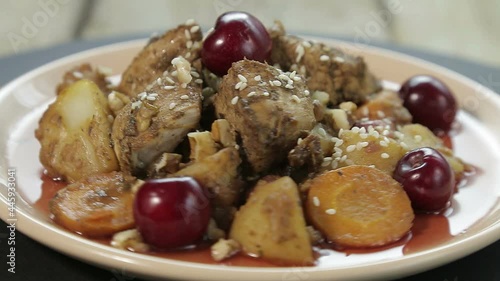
x,y
267,108
157,120
155,57
344,77
74,134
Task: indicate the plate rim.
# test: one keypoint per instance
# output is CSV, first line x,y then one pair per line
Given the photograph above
x,y
432,257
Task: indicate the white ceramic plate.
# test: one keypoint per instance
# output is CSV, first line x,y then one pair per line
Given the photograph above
x,y
475,221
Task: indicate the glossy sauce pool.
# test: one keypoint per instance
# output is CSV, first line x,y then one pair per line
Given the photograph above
x,y
428,230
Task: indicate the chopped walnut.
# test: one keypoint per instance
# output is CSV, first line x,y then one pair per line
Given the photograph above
x,y
224,249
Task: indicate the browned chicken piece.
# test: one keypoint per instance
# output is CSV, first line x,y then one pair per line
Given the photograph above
x,y
385,105
96,206
267,108
155,58
157,120
219,174
84,71
344,77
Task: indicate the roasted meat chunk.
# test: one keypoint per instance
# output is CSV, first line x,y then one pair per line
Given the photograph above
x,y
344,77
157,120
155,58
267,108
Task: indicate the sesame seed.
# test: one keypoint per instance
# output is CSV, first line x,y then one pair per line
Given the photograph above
x,y
341,131
339,143
184,85
136,104
184,97
418,138
238,85
195,74
302,69
383,143
187,34
324,58
343,158
337,155
399,135
289,86
172,105
351,148
242,78
337,149
194,29
153,95
188,55
349,162
299,140
198,81
307,93
190,22
235,100
371,166
384,155
276,83
296,78
189,44
385,132
174,73
380,114
338,59
375,134
292,74
316,201
331,212
355,129
168,87
151,98
78,74
326,163
363,136
322,132
251,94
361,145
266,94
362,130
170,80
295,98
335,164
243,86
283,77
142,95
165,73
257,78
404,145
158,81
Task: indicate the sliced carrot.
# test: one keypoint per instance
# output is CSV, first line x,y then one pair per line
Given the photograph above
x,y
359,206
97,206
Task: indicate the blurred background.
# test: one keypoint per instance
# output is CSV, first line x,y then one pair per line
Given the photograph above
x,y
461,28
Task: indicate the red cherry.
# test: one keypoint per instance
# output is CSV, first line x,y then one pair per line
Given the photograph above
x,y
427,178
236,35
430,102
171,212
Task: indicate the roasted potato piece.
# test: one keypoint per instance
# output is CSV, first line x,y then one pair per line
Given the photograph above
x,y
74,134
97,206
362,148
359,206
219,174
271,224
